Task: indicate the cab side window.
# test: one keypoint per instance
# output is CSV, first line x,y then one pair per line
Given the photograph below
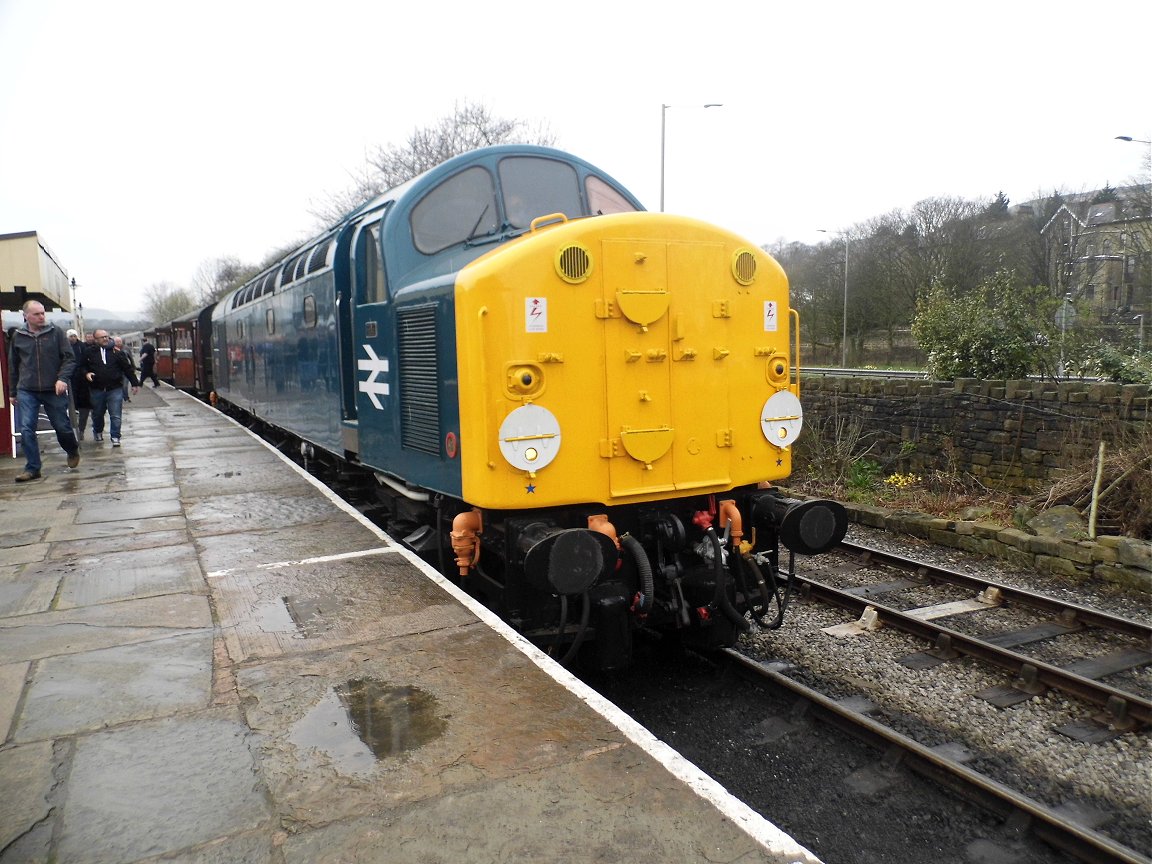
x,y
603,198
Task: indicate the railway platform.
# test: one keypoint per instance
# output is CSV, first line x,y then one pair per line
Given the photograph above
x,y
205,656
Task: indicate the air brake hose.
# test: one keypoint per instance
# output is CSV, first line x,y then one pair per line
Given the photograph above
x,y
721,598
581,632
765,595
781,599
636,550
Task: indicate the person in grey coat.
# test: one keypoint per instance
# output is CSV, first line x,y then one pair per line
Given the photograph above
x,y
40,365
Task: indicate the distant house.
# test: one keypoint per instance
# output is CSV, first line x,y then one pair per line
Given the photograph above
x,y
1100,252
30,271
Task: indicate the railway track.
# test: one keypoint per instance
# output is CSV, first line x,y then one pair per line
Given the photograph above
x,y
915,597
967,679
946,764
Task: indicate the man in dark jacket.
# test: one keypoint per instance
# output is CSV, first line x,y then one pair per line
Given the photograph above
x,y
106,368
148,363
40,363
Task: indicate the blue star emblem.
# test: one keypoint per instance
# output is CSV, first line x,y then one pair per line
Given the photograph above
x,y
530,488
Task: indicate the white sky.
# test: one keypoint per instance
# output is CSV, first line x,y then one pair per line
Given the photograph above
x,y
143,137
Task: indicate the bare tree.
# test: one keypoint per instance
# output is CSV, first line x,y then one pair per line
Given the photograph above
x,y
216,277
469,126
164,302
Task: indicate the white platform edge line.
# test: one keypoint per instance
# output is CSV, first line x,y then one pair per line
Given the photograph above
x,y
769,836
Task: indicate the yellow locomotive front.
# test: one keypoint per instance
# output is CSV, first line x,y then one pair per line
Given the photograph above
x,y
623,359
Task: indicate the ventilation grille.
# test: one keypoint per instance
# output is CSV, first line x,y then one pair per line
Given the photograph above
x,y
419,379
573,263
744,267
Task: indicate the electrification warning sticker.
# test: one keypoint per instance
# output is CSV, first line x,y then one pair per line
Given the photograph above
x,y
771,319
536,315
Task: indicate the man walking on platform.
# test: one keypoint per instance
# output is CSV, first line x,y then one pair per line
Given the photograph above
x,y
148,364
40,364
106,368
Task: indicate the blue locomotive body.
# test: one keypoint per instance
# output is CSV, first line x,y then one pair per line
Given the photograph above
x,y
560,395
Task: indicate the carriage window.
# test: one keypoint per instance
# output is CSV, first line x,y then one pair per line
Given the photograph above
x,y
603,198
462,207
536,187
239,330
270,321
310,311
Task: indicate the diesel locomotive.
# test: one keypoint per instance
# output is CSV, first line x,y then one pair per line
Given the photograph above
x,y
574,407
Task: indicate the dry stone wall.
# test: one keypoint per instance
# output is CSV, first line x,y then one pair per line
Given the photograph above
x,y
1016,435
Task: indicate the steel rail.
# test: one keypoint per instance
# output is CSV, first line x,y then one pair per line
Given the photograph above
x,y
1120,704
1082,842
1041,602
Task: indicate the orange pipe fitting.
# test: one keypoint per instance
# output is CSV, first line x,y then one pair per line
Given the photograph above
x,y
729,512
600,523
465,528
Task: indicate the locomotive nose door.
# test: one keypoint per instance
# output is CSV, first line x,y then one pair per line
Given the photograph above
x,y
667,394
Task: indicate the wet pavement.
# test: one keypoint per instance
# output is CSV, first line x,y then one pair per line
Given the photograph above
x,y
206,657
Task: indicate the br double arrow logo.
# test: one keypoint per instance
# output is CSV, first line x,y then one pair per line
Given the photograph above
x,y
377,366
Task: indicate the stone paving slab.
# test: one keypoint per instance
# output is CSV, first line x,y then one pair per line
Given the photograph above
x,y
90,628
219,552
585,822
302,607
136,574
81,692
26,596
523,724
12,678
119,529
225,477
119,541
29,778
260,511
151,788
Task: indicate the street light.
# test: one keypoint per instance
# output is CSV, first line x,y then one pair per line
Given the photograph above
x,y
1149,143
1065,315
844,322
663,130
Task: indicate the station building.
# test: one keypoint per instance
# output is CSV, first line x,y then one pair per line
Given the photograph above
x,y
29,270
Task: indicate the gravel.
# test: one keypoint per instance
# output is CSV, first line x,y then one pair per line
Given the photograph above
x,y
1019,745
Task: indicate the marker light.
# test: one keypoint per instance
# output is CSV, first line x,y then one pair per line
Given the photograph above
x,y
530,437
782,418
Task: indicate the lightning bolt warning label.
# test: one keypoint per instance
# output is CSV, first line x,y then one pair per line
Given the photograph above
x,y
536,315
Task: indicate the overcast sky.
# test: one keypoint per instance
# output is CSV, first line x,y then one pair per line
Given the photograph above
x,y
142,137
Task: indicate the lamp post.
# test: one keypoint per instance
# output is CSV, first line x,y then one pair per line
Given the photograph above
x,y
1130,139
663,138
1066,315
77,309
844,314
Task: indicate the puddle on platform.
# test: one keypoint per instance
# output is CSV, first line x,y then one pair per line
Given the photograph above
x,y
315,615
302,616
274,616
364,720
